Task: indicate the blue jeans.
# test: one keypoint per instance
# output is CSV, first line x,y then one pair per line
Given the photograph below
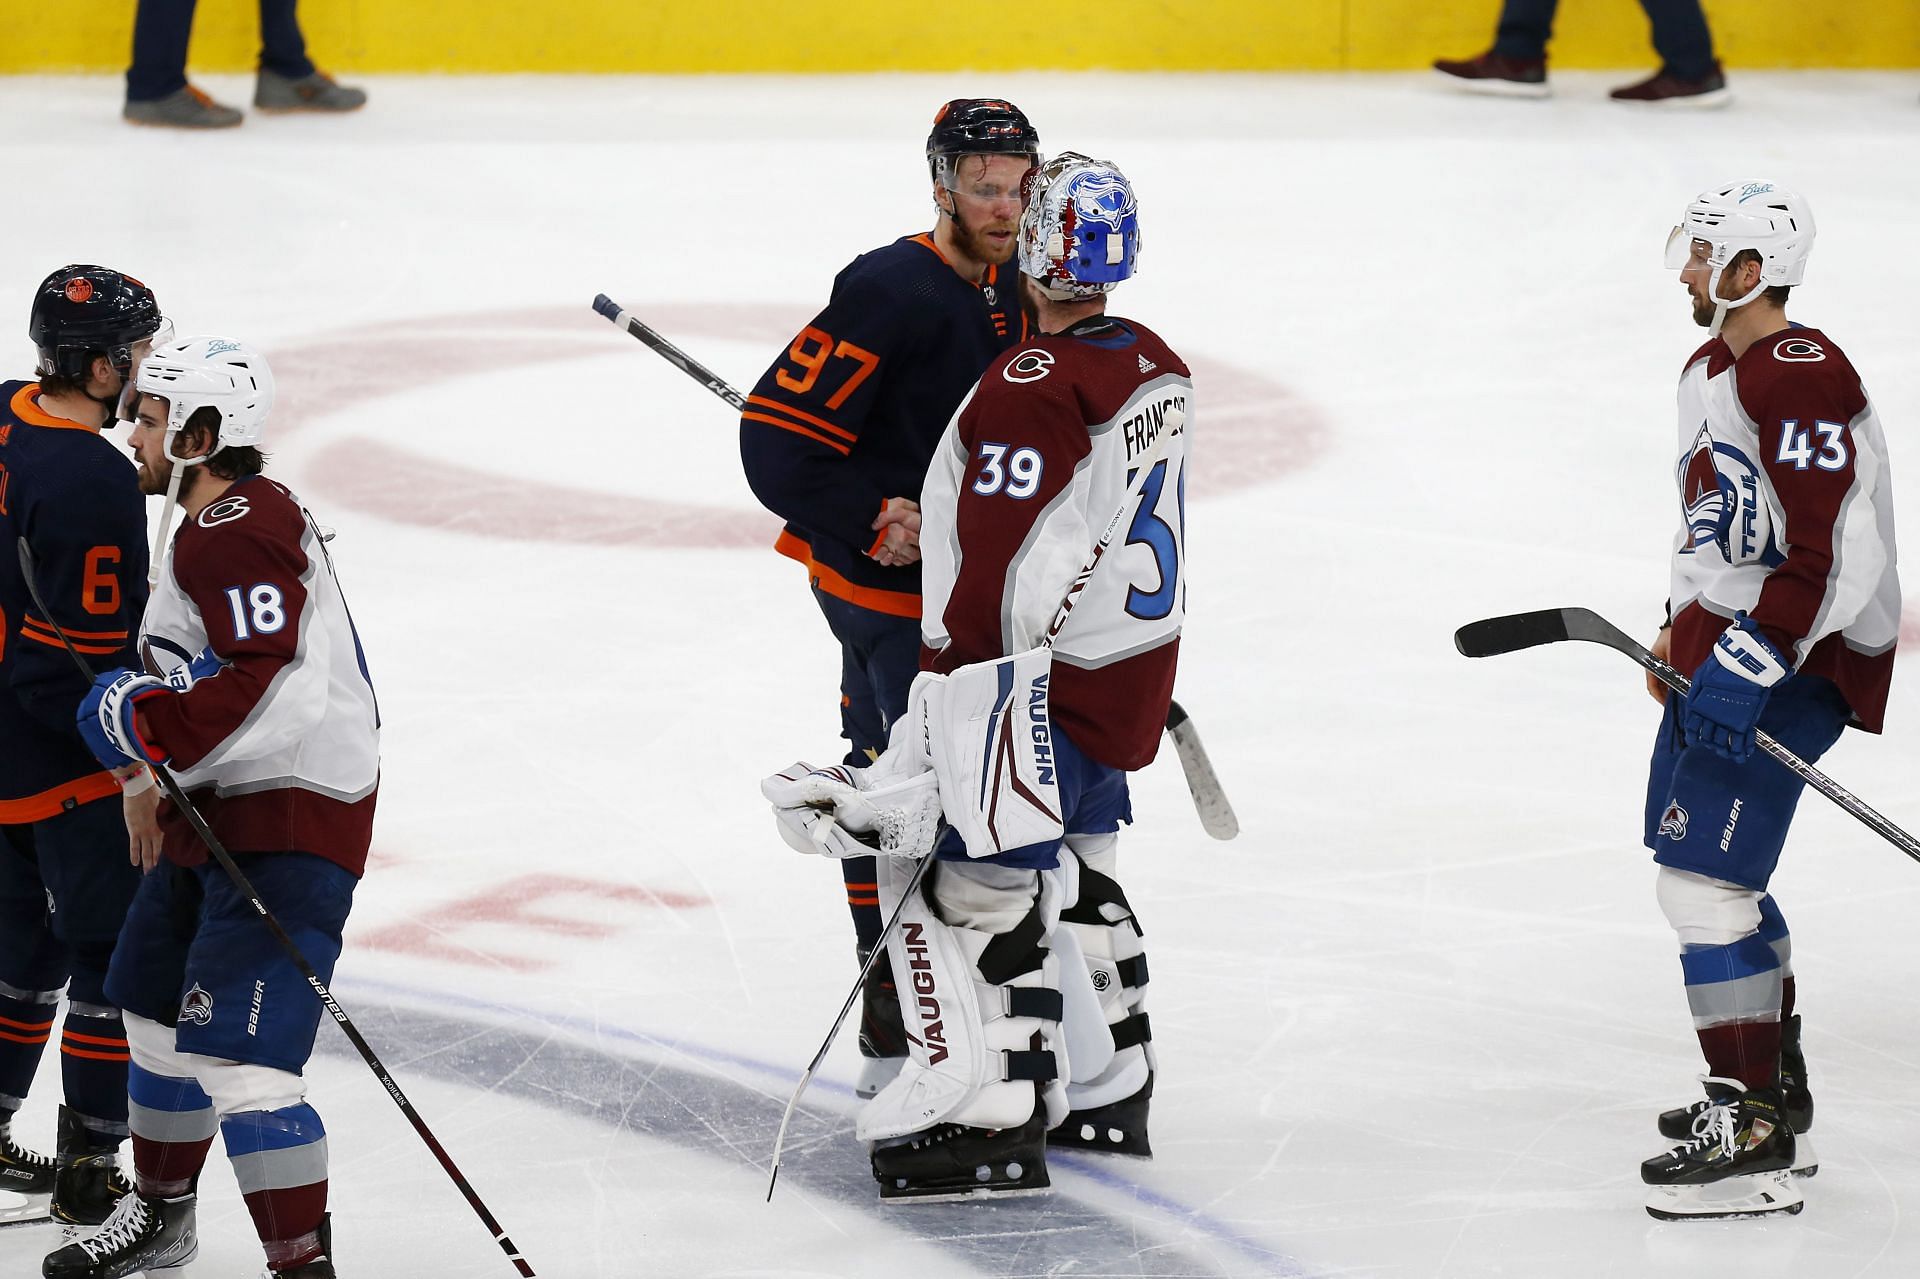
x,y
161,29
1680,34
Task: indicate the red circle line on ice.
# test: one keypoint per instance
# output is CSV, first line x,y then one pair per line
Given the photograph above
x,y
1253,430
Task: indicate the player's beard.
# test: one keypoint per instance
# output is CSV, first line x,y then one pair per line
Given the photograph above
x,y
1703,309
973,242
154,483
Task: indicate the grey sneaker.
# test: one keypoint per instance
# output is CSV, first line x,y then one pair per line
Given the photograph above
x,y
316,92
186,108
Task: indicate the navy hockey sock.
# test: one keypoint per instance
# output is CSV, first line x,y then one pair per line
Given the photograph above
x,y
26,1023
93,1066
863,899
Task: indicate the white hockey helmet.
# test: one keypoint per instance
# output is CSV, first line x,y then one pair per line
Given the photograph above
x,y
208,372
1080,230
1759,215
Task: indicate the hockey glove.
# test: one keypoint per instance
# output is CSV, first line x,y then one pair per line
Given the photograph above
x,y
838,812
106,718
1730,690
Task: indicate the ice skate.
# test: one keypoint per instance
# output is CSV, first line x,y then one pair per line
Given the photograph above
x,y
88,1185
956,1162
1734,1164
143,1237
28,1175
1116,1129
1796,1101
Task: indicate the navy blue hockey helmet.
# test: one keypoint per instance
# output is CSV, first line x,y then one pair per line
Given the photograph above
x,y
979,126
82,310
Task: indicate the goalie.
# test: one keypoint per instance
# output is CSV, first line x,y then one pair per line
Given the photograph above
x,y
1047,667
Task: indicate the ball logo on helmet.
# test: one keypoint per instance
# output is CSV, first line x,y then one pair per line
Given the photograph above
x,y
79,289
220,346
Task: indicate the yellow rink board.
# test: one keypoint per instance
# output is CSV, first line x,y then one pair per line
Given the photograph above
x,y
867,35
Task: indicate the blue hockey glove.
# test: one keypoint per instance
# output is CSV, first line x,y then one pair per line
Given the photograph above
x,y
106,718
1730,690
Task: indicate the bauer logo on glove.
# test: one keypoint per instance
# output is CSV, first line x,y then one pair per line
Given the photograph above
x,y
107,718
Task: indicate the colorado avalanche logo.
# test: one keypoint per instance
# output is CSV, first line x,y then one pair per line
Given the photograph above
x,y
1104,199
1673,822
1721,499
197,1007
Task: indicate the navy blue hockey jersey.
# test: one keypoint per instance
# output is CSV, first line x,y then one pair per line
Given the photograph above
x,y
75,497
849,414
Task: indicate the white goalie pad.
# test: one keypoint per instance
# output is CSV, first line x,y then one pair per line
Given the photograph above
x,y
989,733
1084,1023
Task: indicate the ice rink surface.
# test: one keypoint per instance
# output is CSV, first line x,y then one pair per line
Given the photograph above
x,y
1416,1021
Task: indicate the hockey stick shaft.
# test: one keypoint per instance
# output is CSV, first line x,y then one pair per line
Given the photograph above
x,y
1497,635
1209,797
171,787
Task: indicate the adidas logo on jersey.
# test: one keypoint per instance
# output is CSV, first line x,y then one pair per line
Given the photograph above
x,y
1146,365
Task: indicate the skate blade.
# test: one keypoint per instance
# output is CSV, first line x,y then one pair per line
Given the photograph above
x,y
1756,1194
949,1196
24,1210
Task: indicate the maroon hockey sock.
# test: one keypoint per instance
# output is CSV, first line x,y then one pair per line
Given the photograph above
x,y
1748,1051
288,1222
167,1169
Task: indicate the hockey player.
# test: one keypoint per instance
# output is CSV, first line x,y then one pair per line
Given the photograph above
x,y
1028,747
1784,607
837,434
65,881
255,694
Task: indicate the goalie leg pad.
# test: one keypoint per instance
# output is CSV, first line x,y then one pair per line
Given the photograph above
x,y
990,735
1108,1106
981,1009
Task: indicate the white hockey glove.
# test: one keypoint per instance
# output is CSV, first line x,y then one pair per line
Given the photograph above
x,y
838,812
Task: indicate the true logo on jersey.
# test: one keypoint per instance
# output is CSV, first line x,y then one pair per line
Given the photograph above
x,y
1029,366
224,511
1673,822
1720,498
1798,351
197,1007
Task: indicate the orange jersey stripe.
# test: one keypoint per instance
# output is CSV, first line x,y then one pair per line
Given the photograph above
x,y
52,640
892,603
48,627
788,409
53,801
835,445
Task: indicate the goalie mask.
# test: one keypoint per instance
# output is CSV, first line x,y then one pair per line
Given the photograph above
x,y
1080,231
1773,222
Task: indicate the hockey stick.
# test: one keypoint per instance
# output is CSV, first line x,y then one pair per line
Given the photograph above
x,y
1209,798
1174,424
287,944
1497,635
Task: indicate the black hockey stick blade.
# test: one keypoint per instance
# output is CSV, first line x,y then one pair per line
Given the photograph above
x,y
1209,797
1495,635
650,337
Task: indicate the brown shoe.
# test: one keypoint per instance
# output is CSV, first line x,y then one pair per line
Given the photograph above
x,y
1495,73
1665,89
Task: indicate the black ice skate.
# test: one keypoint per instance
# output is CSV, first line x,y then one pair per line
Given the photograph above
x,y
1733,1165
883,1037
321,1267
1116,1129
88,1185
956,1162
142,1234
28,1174
1796,1099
